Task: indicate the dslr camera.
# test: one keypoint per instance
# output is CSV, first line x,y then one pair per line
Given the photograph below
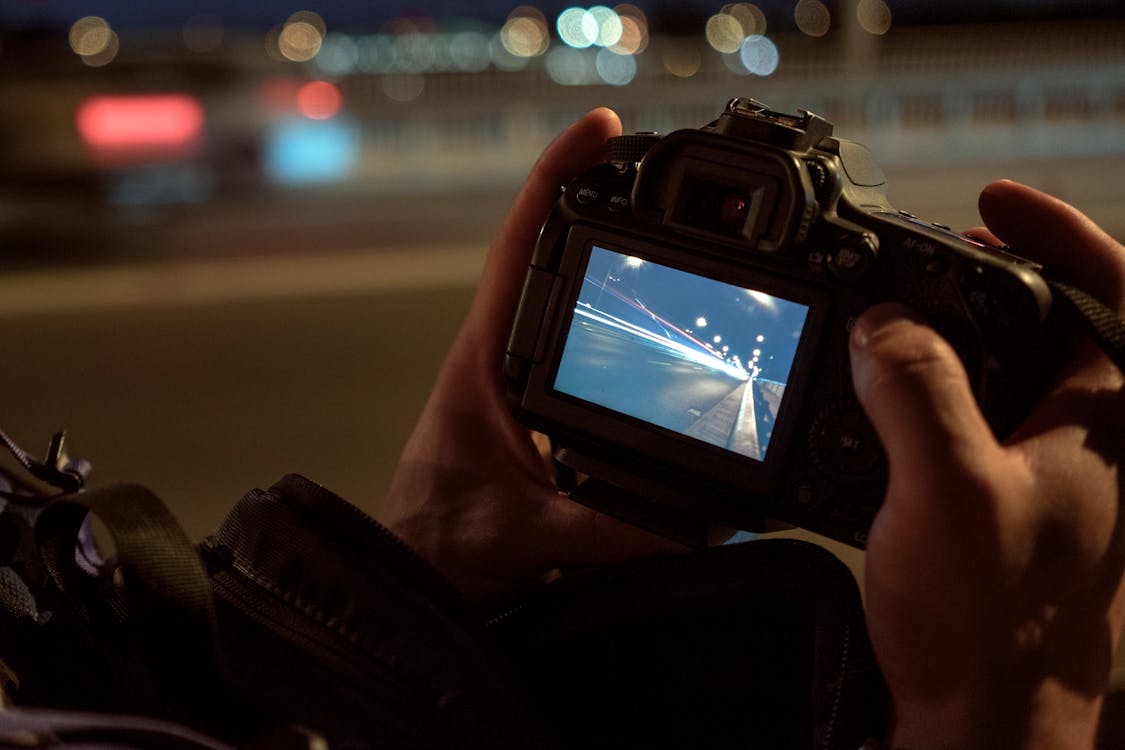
x,y
682,335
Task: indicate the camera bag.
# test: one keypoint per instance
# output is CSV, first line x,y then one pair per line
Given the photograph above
x,y
301,622
760,644
298,612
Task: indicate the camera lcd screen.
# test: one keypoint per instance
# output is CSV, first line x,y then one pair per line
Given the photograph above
x,y
701,357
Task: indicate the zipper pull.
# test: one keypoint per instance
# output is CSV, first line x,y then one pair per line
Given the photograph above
x,y
58,469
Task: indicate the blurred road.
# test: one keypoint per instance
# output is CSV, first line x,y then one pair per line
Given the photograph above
x,y
206,379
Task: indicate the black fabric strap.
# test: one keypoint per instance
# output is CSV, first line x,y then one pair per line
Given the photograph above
x,y
1105,325
169,616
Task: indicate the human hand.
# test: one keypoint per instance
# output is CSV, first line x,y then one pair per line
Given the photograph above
x,y
473,493
994,570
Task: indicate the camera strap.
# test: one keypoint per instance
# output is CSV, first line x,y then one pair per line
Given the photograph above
x,y
1105,326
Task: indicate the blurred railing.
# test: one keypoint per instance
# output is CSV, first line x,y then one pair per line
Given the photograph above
x,y
942,108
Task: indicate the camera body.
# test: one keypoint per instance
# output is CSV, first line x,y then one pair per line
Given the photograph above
x,y
683,331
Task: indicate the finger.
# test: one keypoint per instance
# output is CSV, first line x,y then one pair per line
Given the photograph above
x,y
916,394
1062,238
578,148
982,235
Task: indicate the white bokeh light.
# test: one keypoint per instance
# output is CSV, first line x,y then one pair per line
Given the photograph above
x,y
577,28
609,28
571,67
760,56
615,69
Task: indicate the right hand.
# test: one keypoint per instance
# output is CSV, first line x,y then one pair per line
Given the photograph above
x,y
994,570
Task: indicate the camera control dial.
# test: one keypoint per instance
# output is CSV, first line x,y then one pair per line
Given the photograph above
x,y
844,445
630,149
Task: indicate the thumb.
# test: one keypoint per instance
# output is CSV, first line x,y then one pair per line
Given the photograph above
x,y
915,391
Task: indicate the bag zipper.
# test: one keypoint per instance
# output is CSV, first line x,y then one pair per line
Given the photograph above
x,y
834,715
274,611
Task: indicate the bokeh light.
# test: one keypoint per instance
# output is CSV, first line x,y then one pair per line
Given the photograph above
x,y
577,28
299,42
525,33
319,100
726,30
139,120
682,60
599,26
89,35
735,21
812,17
375,54
302,152
737,31
301,37
634,30
469,51
568,66
874,16
615,69
92,39
523,37
749,16
415,52
312,19
724,33
608,25
339,55
759,55
503,59
107,55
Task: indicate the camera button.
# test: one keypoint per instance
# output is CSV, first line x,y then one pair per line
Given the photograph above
x,y
844,445
618,203
935,265
588,193
853,258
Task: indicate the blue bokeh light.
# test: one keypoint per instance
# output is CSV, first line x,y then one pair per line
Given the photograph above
x,y
300,151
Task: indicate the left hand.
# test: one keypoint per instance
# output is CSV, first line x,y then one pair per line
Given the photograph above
x,y
473,493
